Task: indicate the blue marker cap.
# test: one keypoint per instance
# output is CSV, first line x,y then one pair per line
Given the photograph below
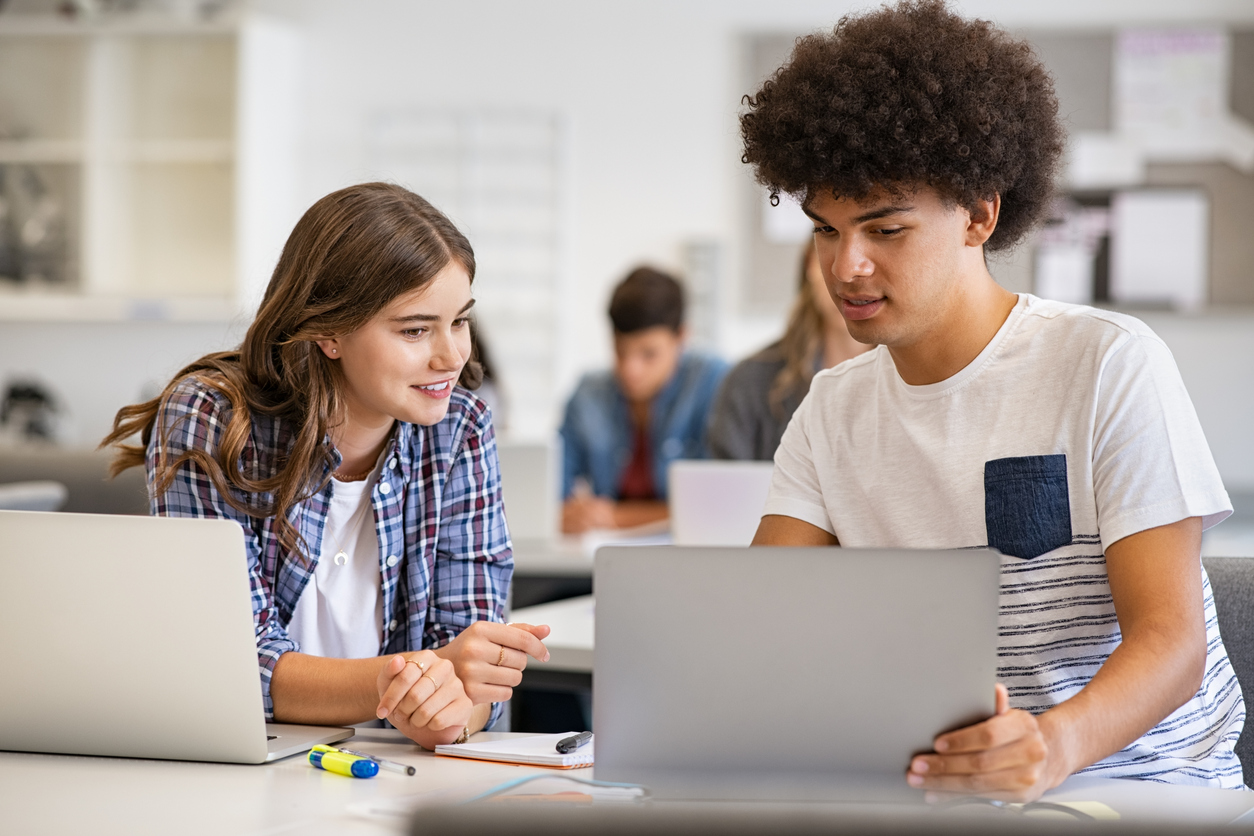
x,y
365,768
343,764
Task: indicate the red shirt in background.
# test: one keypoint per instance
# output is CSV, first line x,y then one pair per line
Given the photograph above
x,y
637,480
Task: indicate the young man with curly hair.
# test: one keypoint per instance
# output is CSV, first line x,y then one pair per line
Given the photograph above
x,y
1059,434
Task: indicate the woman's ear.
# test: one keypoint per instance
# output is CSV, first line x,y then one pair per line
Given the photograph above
x,y
984,216
330,347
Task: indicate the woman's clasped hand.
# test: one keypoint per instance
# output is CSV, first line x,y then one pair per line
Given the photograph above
x,y
422,696
429,695
490,657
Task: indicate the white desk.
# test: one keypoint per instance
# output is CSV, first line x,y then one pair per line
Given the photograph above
x,y
570,643
58,794
572,556
557,557
61,794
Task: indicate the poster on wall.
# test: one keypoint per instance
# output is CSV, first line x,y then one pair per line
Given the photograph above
x,y
1171,97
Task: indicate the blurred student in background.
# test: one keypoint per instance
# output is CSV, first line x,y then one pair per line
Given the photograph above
x,y
761,392
623,428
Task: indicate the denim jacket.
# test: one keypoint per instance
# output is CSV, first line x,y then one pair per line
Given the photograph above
x,y
597,431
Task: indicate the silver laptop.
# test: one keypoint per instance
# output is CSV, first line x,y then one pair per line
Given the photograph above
x,y
787,673
717,503
133,636
529,487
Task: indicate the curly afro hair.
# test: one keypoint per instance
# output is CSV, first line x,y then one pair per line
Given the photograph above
x,y
907,96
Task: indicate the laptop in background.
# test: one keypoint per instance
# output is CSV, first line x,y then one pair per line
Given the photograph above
x,y
530,471
133,636
717,503
787,674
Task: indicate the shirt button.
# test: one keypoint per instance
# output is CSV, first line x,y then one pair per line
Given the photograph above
x,y
392,561
384,487
392,624
392,464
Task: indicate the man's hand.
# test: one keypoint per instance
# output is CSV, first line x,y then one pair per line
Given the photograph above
x,y
420,694
489,658
584,512
1006,757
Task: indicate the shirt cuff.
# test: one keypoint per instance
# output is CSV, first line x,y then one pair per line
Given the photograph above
x,y
1213,508
815,515
268,654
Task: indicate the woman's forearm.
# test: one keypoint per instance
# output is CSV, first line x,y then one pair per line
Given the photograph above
x,y
318,691
325,692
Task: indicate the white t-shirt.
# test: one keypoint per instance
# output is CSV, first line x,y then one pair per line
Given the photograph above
x,y
340,611
1071,430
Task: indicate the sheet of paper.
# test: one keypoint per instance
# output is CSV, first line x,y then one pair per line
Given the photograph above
x,y
538,749
1171,88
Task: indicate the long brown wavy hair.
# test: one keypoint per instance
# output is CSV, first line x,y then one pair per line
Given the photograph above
x,y
348,257
801,342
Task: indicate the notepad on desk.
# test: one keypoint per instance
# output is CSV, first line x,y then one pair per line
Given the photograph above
x,y
534,750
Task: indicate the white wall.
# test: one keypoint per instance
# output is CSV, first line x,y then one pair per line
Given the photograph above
x,y
95,369
650,87
647,88
1215,354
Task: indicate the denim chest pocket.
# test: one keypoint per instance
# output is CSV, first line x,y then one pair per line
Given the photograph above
x,y
1027,509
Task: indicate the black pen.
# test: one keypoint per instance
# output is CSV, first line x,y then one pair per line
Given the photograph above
x,y
569,744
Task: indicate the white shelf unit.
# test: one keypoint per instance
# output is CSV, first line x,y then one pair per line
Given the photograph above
x,y
169,149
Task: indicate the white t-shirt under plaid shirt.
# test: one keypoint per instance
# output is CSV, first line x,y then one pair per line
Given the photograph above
x,y
1071,430
446,558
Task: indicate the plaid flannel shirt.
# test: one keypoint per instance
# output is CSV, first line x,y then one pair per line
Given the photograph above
x,y
445,553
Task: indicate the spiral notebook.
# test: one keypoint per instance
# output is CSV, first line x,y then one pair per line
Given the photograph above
x,y
533,750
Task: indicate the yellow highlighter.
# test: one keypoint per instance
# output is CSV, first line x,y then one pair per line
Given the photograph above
x,y
333,760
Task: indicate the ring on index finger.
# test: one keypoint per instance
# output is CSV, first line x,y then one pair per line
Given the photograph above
x,y
422,669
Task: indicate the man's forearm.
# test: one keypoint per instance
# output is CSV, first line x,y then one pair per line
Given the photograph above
x,y
1145,679
630,513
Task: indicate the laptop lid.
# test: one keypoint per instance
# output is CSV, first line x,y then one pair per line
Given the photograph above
x,y
529,488
774,672
717,503
130,636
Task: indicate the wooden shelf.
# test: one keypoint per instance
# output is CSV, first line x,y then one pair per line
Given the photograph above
x,y
171,169
16,25
51,306
36,151
69,151
173,151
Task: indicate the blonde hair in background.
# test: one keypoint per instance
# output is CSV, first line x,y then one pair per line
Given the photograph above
x,y
801,342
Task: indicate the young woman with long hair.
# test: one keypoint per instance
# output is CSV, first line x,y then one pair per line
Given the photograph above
x,y
761,392
343,438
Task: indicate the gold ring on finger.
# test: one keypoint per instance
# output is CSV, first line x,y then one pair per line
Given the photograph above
x,y
421,668
432,678
500,658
